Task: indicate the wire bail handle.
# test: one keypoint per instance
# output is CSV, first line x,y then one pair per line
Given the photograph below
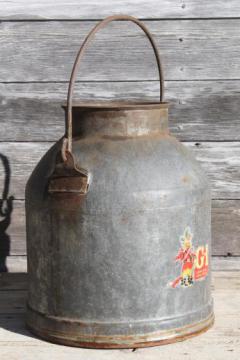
x,y
67,143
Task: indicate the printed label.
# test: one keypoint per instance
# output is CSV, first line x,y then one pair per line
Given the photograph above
x,y
194,263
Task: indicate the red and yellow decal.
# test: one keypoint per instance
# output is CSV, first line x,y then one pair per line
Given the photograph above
x,y
201,262
194,263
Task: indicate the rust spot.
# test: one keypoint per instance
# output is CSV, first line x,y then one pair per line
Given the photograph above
x,y
117,345
74,184
185,179
124,219
65,202
116,137
45,326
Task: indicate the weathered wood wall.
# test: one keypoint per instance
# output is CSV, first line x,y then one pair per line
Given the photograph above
x,y
199,42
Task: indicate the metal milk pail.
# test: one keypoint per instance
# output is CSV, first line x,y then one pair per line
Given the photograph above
x,y
118,228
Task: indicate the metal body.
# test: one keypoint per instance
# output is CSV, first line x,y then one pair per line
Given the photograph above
x,y
118,234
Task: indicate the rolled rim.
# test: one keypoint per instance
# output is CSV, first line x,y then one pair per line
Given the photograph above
x,y
118,105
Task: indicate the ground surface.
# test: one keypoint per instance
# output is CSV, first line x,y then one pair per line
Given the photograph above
x,y
222,342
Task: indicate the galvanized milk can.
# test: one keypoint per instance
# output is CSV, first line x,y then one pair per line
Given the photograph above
x,y
118,228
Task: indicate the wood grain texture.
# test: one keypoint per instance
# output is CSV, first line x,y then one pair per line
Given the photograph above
x,y
18,264
228,263
190,50
12,301
17,230
220,160
93,9
225,228
199,110
223,340
199,43
220,163
13,281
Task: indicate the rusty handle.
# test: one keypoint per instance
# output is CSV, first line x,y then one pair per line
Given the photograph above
x,y
100,25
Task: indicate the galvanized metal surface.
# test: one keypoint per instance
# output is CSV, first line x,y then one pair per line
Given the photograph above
x,y
102,264
57,330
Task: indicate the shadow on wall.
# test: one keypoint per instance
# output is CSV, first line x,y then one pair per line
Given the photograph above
x,y
6,208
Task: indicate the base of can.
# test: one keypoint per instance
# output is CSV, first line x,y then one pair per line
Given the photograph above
x,y
42,326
